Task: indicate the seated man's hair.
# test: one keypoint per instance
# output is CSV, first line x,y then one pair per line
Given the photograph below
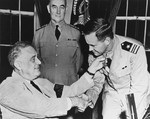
x,y
16,50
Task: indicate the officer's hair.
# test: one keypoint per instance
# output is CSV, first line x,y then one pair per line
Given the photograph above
x,y
15,51
102,28
64,1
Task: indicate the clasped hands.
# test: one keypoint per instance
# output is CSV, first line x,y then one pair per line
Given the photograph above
x,y
81,102
87,102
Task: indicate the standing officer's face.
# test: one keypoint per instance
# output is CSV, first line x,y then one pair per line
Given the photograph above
x,y
28,63
96,46
57,9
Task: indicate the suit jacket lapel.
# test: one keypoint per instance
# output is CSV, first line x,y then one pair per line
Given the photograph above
x,y
49,93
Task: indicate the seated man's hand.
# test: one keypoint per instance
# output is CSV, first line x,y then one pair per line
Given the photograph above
x,y
80,103
87,98
84,97
97,64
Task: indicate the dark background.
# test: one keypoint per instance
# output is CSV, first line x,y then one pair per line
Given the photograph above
x,y
9,24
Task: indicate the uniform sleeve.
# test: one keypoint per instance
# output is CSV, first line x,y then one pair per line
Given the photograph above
x,y
93,92
26,103
99,78
36,40
79,58
139,73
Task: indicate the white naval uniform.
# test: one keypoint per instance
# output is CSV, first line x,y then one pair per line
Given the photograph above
x,y
128,73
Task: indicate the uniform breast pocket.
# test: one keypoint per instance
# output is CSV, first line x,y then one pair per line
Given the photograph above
x,y
72,46
123,70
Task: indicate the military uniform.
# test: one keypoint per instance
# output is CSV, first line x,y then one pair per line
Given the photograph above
x,y
128,74
61,59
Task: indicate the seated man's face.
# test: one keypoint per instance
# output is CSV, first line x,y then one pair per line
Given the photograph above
x,y
29,63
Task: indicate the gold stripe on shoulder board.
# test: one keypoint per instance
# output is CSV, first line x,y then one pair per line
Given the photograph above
x,y
130,47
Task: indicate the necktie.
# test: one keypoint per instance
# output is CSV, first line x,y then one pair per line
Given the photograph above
x,y
58,89
35,86
108,62
57,32
106,73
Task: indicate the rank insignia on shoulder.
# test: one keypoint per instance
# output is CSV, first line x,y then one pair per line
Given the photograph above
x,y
133,48
41,27
74,26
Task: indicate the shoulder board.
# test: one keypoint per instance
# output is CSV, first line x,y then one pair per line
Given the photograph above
x,y
41,27
74,26
128,46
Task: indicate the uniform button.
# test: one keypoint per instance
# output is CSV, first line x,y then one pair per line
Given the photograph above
x,y
55,65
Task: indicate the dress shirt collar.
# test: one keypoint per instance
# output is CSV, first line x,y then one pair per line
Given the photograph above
x,y
61,24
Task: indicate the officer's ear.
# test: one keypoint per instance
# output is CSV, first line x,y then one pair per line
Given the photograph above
x,y
107,40
48,9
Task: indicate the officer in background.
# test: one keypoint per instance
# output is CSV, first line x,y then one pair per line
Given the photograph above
x,y
57,46
125,80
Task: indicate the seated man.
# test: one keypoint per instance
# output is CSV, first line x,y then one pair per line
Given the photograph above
x,y
22,95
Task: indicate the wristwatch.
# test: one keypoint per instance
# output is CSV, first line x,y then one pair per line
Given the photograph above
x,y
92,74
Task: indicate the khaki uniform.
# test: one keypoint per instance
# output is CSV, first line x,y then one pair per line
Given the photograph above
x,y
128,73
61,59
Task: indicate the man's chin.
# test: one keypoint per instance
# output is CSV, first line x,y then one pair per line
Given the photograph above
x,y
37,74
